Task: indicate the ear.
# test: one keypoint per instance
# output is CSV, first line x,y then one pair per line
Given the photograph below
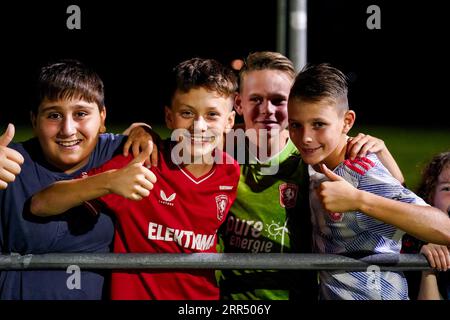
x,y
33,119
238,104
168,116
230,121
349,120
102,120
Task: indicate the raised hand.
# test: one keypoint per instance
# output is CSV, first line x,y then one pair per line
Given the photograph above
x,y
134,181
336,195
10,160
363,144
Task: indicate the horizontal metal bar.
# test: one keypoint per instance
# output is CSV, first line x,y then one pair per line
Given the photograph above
x,y
211,261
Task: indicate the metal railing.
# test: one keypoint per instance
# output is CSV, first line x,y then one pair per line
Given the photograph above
x,y
280,261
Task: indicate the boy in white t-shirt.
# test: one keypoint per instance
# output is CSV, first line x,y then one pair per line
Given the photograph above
x,y
354,213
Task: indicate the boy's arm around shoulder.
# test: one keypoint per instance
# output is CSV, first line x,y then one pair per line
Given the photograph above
x,y
363,144
424,222
139,134
133,181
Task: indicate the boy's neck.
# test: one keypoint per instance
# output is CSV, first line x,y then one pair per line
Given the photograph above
x,y
336,157
198,170
197,166
274,146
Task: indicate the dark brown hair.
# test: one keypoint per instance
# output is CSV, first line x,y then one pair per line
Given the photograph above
x,y
431,174
201,73
318,82
68,79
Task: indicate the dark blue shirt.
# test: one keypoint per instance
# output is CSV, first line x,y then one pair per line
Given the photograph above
x,y
77,230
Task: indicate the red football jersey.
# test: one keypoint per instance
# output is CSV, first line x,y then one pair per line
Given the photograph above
x,y
181,215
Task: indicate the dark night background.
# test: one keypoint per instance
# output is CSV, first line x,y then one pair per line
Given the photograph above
x,y
399,73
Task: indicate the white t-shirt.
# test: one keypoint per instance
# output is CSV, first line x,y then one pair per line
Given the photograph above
x,y
356,233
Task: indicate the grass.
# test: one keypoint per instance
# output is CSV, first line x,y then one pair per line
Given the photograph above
x,y
411,147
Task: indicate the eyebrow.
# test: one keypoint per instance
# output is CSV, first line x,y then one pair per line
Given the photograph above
x,y
74,107
269,95
207,107
278,96
319,119
311,120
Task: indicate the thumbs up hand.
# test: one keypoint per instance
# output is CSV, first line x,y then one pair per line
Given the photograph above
x,y
330,174
337,195
7,137
10,159
134,181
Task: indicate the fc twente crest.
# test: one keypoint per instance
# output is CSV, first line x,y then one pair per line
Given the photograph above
x,y
288,195
221,202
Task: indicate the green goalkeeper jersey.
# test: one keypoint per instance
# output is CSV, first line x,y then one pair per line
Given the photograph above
x,y
270,215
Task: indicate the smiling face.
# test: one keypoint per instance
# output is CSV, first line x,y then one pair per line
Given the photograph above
x,y
262,100
68,131
319,130
441,195
204,116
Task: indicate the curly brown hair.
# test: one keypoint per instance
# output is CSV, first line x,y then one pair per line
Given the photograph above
x,y
431,174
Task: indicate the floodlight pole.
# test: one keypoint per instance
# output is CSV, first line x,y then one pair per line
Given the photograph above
x,y
297,15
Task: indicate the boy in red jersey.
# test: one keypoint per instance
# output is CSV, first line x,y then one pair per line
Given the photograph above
x,y
196,187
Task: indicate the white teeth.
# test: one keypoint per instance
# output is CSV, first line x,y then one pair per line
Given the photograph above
x,y
310,150
68,143
202,139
